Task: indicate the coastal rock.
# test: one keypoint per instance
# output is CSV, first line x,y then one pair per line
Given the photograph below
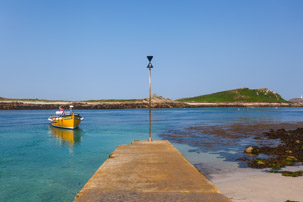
x,y
291,158
266,91
157,99
248,149
260,162
252,150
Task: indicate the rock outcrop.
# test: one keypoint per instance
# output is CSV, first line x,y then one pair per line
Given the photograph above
x,y
158,99
296,100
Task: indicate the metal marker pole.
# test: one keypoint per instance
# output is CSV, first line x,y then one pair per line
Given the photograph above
x,y
149,66
149,138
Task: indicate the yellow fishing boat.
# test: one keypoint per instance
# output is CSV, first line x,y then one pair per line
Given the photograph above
x,y
68,121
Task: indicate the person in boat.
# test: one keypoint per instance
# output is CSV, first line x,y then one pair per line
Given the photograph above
x,y
61,110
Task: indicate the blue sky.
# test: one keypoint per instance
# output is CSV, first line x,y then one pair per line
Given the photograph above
x,y
79,50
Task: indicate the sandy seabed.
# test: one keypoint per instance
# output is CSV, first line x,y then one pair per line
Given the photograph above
x,y
260,186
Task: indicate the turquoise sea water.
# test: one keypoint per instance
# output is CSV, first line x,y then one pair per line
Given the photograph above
x,y
42,163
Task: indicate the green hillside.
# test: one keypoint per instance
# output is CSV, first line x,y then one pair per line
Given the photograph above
x,y
238,95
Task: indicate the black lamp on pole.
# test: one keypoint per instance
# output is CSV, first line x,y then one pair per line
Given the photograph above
x,y
149,66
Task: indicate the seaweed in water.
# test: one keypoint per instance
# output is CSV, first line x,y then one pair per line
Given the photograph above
x,y
288,153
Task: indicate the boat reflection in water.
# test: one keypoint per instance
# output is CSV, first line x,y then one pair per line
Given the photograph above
x,y
65,136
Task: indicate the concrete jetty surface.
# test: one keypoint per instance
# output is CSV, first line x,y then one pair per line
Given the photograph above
x,y
148,171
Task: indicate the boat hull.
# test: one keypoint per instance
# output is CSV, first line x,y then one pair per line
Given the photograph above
x,y
67,122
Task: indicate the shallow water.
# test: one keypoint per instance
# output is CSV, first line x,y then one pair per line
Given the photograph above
x,y
41,163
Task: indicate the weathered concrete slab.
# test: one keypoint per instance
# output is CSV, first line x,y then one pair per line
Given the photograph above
x,y
148,171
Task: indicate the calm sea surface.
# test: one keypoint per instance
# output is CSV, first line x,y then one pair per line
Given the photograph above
x,y
42,163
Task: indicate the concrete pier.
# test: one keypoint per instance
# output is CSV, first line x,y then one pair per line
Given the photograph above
x,y
148,171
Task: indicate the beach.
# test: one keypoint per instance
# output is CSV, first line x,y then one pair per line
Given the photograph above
x,y
254,186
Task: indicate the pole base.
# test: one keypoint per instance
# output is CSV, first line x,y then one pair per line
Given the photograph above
x,y
149,139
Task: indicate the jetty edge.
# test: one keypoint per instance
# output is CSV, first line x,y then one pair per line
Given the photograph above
x,y
148,171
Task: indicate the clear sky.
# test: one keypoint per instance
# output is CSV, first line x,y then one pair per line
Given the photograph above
x,y
79,50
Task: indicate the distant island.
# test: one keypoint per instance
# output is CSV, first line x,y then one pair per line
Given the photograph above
x,y
238,95
242,97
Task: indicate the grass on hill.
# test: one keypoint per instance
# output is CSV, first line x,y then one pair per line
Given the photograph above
x,y
238,95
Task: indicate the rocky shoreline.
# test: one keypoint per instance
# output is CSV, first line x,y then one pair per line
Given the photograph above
x,y
273,146
288,152
11,105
